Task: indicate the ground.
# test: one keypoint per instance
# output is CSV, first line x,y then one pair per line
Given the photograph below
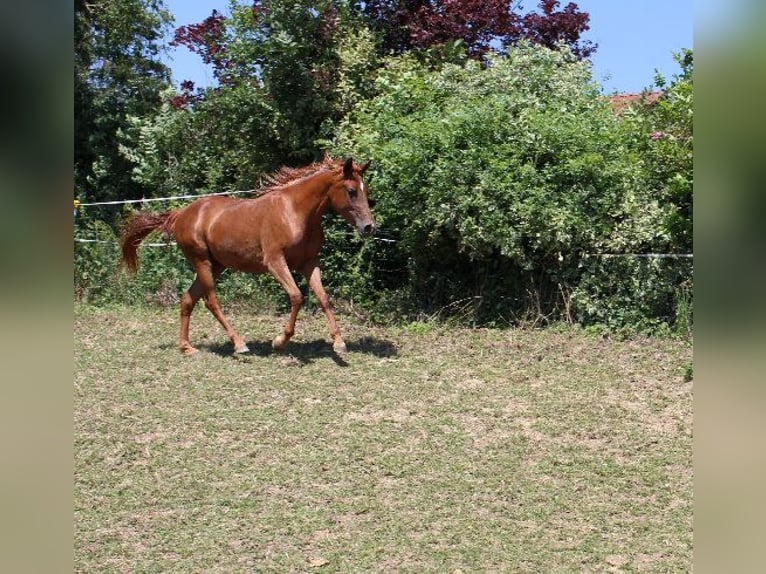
x,y
423,449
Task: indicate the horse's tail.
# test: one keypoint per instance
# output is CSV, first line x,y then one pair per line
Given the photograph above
x,y
138,226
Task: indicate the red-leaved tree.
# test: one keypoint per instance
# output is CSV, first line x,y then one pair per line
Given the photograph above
x,y
404,25
287,51
482,25
207,40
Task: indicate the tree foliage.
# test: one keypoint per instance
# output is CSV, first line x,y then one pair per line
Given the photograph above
x,y
480,25
288,55
656,217
516,166
291,53
117,75
280,91
671,150
223,142
500,182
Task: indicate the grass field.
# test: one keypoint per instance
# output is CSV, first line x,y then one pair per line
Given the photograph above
x,y
423,449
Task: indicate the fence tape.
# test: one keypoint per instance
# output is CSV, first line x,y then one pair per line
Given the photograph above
x,y
605,255
124,201
643,255
381,239
81,240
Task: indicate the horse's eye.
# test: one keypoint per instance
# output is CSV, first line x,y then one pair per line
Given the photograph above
x,y
351,192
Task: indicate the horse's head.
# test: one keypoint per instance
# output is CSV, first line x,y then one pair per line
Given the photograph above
x,y
348,197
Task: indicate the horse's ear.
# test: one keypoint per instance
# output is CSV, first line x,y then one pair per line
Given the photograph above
x,y
348,169
364,168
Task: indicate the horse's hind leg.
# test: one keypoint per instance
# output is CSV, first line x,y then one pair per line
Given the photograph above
x,y
206,274
203,286
188,301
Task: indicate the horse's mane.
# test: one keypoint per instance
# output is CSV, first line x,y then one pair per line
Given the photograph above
x,y
285,176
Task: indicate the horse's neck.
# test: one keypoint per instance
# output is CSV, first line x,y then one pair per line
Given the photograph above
x,y
310,198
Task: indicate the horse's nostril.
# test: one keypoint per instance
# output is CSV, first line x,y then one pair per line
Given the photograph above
x,y
369,229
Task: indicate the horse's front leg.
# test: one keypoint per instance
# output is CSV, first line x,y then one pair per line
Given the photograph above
x,y
281,273
314,278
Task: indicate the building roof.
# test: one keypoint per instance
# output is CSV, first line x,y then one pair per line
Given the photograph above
x,y
621,101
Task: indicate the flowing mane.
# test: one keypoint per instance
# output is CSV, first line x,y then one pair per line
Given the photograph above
x,y
286,176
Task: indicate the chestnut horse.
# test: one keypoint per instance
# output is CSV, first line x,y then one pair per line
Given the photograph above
x,y
275,232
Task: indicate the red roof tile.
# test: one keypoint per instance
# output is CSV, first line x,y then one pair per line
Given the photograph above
x,y
621,101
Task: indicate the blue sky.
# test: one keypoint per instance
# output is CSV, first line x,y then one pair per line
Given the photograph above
x,y
634,38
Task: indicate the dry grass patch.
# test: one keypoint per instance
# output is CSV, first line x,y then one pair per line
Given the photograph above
x,y
427,449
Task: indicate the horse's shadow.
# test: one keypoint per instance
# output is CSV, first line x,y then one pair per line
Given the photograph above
x,y
306,352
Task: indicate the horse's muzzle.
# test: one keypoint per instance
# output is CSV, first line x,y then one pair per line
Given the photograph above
x,y
367,230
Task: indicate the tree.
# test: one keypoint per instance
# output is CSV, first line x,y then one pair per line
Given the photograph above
x,y
480,24
671,151
206,39
302,59
117,75
308,60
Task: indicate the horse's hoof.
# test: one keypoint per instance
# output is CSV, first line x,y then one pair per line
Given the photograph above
x,y
339,347
189,351
242,350
278,344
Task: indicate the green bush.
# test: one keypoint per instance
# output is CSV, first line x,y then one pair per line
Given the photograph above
x,y
656,217
643,294
497,179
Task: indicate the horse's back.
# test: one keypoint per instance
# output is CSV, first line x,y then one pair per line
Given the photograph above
x,y
222,229
247,234
193,222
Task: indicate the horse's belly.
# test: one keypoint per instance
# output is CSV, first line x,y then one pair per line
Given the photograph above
x,y
240,257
